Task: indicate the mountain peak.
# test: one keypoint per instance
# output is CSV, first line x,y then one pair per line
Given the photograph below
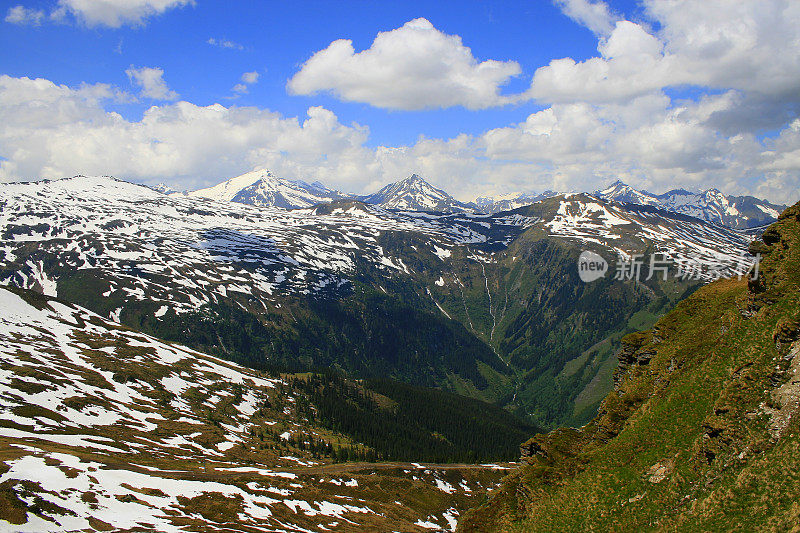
x,y
622,192
510,201
415,180
164,188
415,194
263,188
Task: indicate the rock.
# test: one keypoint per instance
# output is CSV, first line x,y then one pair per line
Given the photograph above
x,y
530,448
659,471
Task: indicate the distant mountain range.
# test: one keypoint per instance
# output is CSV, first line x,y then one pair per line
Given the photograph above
x,y
507,202
738,212
262,188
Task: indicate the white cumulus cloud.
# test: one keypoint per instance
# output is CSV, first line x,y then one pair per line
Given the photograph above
x,y
115,13
752,46
596,16
151,81
412,67
52,130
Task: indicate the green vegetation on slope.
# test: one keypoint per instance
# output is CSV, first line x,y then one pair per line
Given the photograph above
x,y
500,330
702,432
366,334
533,309
402,422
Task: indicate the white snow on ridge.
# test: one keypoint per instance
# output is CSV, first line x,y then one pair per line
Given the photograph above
x,y
225,191
183,252
145,235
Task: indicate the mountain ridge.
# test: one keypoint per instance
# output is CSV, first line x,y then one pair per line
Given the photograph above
x,y
262,188
416,194
738,212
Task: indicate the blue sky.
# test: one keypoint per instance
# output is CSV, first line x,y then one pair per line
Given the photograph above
x,y
277,37
565,127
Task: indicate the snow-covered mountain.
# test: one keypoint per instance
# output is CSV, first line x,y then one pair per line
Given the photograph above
x,y
739,212
507,202
416,194
316,286
164,189
176,253
181,252
622,192
262,188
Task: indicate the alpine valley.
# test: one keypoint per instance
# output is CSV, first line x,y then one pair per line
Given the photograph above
x,y
180,361
702,430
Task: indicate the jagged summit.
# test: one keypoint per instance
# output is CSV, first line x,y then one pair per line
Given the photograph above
x,y
622,192
712,205
415,194
164,189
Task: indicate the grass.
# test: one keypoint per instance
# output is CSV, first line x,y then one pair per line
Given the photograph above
x,y
691,405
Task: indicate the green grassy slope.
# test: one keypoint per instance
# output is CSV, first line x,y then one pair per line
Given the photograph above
x,y
702,432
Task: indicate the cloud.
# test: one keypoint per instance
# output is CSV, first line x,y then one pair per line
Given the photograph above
x,y
631,63
53,130
91,13
151,81
596,16
21,15
224,43
750,46
412,67
115,13
248,78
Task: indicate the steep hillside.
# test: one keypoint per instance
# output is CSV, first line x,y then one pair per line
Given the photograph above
x,y
556,331
702,432
109,429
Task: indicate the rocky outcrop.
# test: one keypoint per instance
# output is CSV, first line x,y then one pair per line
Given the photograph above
x,y
637,349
